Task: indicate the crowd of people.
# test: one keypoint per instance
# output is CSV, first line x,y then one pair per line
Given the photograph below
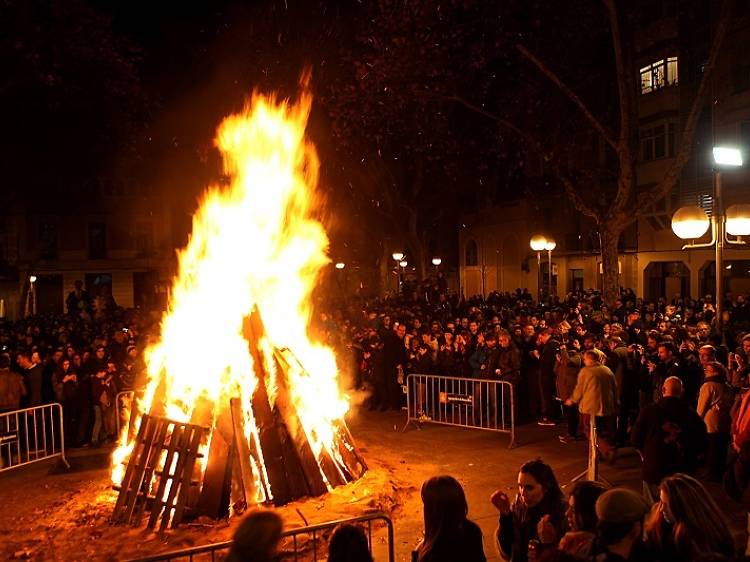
x,y
593,524
668,378
81,360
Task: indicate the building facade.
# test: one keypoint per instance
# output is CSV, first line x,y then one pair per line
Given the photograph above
x,y
117,238
494,243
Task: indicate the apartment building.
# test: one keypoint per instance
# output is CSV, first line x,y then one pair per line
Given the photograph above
x,y
495,251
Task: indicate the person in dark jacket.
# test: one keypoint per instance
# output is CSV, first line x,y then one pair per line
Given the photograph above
x,y
670,436
448,534
394,354
567,368
536,517
547,361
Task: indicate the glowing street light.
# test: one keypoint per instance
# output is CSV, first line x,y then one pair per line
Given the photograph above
x,y
436,261
727,156
690,223
738,220
32,279
340,265
537,244
403,263
549,245
397,256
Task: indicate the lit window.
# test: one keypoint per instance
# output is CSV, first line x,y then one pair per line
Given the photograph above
x,y
659,74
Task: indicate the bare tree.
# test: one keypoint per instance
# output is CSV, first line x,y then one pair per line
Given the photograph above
x,y
613,210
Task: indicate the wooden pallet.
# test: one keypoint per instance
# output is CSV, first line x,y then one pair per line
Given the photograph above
x,y
178,444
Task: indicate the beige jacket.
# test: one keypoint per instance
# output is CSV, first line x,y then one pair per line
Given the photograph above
x,y
596,391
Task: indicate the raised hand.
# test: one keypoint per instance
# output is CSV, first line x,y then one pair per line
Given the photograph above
x,y
501,501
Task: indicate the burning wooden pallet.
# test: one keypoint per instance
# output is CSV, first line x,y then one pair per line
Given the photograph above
x,y
164,455
277,464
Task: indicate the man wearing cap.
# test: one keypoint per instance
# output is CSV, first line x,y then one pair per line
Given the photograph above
x,y
620,527
670,435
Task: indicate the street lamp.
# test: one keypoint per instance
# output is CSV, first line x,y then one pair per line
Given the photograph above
x,y
549,245
538,243
436,261
31,296
690,223
398,257
340,265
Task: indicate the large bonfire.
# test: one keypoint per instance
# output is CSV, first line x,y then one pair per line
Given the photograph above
x,y
255,252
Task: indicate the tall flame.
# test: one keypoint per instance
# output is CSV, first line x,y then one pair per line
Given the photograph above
x,y
254,243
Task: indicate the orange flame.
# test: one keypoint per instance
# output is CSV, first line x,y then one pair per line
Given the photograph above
x,y
253,244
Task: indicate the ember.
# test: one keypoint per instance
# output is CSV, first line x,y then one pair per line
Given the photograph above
x,y
267,394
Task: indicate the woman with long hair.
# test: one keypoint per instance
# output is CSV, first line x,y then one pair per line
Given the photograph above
x,y
686,523
448,534
536,518
581,518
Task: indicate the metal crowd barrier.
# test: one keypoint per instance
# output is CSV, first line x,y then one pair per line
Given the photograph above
x,y
31,435
464,402
303,543
118,408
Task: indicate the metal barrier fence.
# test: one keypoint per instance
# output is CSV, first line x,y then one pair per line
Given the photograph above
x,y
121,405
31,435
303,543
465,402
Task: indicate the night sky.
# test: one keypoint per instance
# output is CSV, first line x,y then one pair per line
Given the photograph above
x,y
99,90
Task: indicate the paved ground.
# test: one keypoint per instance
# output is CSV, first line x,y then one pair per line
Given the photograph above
x,y
63,515
480,460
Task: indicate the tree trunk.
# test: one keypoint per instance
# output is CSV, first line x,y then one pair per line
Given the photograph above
x,y
609,234
417,246
385,267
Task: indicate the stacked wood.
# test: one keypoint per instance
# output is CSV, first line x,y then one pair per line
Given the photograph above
x,y
160,472
233,474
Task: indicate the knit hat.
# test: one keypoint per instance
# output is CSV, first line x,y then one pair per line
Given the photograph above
x,y
620,505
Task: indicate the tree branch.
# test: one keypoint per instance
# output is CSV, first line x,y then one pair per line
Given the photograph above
x,y
549,158
628,115
572,96
649,199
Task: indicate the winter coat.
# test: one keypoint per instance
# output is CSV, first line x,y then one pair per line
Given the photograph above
x,y
566,373
670,435
509,363
715,404
11,390
518,527
596,391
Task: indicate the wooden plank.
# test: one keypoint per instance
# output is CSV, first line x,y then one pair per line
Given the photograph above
x,y
285,407
152,463
177,477
348,450
217,478
122,498
187,473
165,477
139,460
244,472
286,479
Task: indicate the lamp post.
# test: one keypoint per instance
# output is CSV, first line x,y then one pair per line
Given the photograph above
x,y
436,261
549,245
403,264
31,296
397,257
690,223
538,243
